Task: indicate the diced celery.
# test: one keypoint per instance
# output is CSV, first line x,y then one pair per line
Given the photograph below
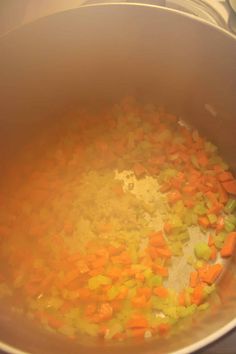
x,y
195,162
95,282
229,227
202,251
154,280
190,310
230,206
113,330
231,219
130,283
204,306
113,292
200,209
147,273
212,218
184,236
176,221
208,289
209,147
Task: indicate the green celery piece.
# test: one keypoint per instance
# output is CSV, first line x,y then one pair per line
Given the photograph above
x,y
179,207
95,282
155,280
219,239
171,311
212,218
231,219
113,330
202,251
132,292
230,206
200,209
165,135
229,227
195,162
184,236
204,306
209,147
176,248
190,309
130,283
113,292
147,273
208,289
176,221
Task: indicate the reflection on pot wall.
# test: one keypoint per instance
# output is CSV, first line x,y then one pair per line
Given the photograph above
x,y
14,13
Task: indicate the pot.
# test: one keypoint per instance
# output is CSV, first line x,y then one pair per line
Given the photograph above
x,y
100,53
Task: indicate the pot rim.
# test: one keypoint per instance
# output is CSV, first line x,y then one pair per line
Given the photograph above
x,y
116,3
232,324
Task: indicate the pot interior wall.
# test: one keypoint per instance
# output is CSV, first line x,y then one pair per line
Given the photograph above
x,y
99,54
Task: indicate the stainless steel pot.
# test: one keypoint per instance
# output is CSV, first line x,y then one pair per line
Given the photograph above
x,y
100,53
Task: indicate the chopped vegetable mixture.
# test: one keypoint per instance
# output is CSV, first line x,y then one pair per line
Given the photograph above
x,y
98,214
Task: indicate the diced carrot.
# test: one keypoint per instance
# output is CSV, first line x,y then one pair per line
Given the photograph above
x,y
105,227
181,298
210,273
114,251
157,160
202,159
74,257
203,221
116,305
223,195
189,203
140,276
163,252
193,279
119,336
70,276
161,291
220,224
90,309
198,294
54,322
157,239
174,196
114,273
189,189
84,293
123,293
139,301
225,176
229,245
105,312
139,169
137,321
164,328
118,190
147,292
153,252
210,240
137,332
163,271
230,186
167,228
213,253
216,208
165,187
